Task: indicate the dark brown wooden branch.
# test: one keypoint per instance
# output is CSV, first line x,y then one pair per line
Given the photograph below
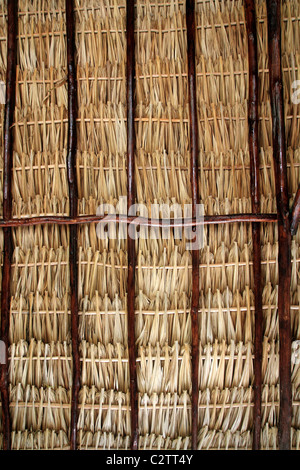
x,y
142,221
130,73
284,232
190,23
73,201
12,30
295,213
255,199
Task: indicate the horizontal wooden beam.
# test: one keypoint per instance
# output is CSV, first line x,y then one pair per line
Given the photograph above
x,y
190,27
142,221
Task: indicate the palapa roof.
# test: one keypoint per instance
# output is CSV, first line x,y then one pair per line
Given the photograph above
x,y
41,358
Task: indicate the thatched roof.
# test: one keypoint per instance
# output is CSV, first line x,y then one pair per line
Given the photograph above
x,y
40,349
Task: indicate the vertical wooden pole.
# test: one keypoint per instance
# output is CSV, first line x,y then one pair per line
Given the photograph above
x,y
130,74
284,232
255,199
190,23
73,201
12,31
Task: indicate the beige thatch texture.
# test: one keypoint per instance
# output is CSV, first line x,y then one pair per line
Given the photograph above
x,y
40,348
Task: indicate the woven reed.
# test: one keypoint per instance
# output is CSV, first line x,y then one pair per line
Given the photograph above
x,y
40,344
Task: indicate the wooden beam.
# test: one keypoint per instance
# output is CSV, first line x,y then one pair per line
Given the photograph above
x,y
284,232
142,221
190,26
12,31
131,193
73,204
255,201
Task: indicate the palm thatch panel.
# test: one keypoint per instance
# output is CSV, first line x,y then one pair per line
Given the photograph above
x,y
40,368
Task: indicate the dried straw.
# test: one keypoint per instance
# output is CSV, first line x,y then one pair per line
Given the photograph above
x,y
40,372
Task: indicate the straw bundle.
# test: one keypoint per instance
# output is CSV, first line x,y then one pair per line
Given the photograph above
x,y
40,370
